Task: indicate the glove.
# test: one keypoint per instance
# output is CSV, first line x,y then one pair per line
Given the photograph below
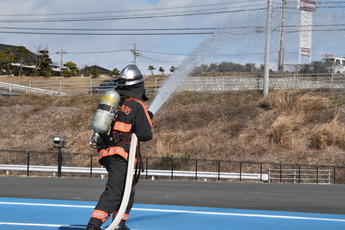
x,y
104,141
150,114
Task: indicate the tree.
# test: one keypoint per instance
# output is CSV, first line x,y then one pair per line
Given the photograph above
x,y
225,67
172,69
161,70
70,70
262,68
6,58
94,73
151,68
213,67
203,68
314,68
22,54
45,68
250,68
115,72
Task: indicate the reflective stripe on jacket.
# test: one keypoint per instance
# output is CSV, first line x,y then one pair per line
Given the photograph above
x,y
112,151
133,117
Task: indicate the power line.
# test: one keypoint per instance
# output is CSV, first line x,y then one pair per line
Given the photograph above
x,y
172,32
160,29
153,52
112,18
156,12
127,11
109,29
109,34
142,56
99,52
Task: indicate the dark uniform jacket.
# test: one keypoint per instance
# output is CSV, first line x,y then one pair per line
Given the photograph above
x,y
133,117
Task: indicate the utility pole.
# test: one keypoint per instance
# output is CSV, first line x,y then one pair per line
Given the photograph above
x,y
267,48
135,54
61,52
281,41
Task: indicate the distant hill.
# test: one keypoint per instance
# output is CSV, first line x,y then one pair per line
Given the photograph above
x,y
100,70
286,126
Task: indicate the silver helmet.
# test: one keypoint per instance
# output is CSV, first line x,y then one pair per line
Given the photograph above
x,y
129,76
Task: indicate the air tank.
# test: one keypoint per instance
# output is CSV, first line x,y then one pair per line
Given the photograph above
x,y
105,112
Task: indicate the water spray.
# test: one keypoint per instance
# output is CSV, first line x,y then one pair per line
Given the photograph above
x,y
207,48
218,40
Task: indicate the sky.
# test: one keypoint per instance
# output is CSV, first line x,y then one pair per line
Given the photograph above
x,y
165,32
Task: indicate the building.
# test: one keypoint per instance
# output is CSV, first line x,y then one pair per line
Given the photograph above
x,y
101,71
32,59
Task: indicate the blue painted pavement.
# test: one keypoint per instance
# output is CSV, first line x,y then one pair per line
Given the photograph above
x,y
42,214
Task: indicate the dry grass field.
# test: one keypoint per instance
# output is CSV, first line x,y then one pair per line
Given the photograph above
x,y
304,127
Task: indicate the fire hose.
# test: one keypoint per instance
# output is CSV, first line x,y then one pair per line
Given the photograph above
x,y
128,186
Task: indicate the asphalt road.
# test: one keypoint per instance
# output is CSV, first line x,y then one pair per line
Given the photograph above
x,y
257,196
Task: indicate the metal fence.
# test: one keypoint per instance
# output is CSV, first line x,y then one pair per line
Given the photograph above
x,y
301,175
69,86
75,85
33,163
84,86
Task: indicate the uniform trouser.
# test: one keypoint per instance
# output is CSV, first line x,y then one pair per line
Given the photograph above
x,y
110,200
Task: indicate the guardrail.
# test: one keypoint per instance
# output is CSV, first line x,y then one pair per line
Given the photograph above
x,y
148,173
34,163
14,89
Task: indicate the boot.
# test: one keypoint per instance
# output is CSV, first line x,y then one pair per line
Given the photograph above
x,y
94,224
93,228
122,226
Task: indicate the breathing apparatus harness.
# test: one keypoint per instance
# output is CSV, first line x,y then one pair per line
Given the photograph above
x,y
105,140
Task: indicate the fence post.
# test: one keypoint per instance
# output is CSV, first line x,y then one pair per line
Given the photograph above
x,y
196,169
334,171
59,162
261,172
241,171
28,163
90,165
280,173
147,165
218,162
172,168
299,174
317,174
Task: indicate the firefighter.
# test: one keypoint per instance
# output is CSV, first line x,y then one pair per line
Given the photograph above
x,y
133,117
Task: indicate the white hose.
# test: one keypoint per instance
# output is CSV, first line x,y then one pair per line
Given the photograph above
x,y
128,186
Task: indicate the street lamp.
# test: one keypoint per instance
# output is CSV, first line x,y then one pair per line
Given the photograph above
x,y
59,143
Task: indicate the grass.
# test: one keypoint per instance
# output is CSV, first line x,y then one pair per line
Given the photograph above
x,y
304,127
